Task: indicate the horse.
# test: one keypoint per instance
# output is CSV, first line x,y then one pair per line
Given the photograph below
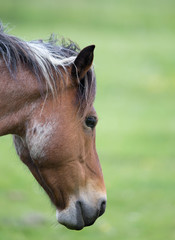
x,y
47,91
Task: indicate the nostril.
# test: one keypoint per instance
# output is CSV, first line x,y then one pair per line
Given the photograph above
x,y
102,207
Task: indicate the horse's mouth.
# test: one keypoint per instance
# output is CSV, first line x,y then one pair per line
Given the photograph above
x,y
80,214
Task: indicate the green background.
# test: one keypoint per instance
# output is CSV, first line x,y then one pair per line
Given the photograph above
x,y
135,68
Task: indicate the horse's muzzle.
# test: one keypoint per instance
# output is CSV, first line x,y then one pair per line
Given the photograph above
x,y
87,215
80,214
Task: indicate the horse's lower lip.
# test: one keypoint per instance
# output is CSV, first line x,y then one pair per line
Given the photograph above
x,y
77,227
71,219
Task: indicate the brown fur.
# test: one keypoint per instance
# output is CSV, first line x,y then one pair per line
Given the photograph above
x,y
70,160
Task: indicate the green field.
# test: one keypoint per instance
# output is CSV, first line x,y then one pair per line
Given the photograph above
x,y
135,68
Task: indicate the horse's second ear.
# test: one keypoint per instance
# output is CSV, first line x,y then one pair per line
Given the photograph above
x,y
83,62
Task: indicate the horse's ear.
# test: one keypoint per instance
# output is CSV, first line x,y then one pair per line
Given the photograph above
x,y
83,62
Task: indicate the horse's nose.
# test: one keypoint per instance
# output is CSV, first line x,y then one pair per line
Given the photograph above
x,y
90,214
102,208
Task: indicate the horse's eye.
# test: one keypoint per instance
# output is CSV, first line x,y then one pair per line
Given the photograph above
x,y
91,121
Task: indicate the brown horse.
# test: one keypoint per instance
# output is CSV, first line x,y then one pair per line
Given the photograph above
x,y
46,102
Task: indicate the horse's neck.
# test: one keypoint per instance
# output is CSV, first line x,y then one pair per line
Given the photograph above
x,y
17,98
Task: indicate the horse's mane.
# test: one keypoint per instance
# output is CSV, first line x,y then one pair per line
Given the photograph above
x,y
46,59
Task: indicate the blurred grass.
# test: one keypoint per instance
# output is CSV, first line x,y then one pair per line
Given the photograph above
x,y
134,62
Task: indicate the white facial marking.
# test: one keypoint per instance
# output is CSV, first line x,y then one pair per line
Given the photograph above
x,y
37,138
68,215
